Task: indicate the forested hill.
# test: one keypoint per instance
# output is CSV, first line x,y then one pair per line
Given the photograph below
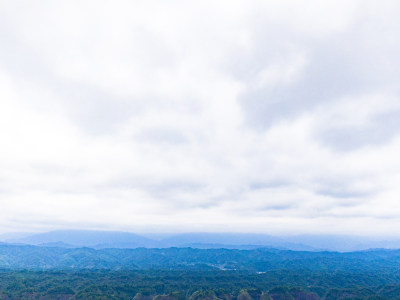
x,y
257,260
33,272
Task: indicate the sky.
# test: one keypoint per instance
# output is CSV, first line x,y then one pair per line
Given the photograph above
x,y
276,117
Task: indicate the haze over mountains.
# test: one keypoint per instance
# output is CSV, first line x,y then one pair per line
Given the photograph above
x,y
117,239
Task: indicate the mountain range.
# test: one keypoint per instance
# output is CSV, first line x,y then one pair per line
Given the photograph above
x,y
126,240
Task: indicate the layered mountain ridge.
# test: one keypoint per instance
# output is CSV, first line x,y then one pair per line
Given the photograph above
x,y
127,240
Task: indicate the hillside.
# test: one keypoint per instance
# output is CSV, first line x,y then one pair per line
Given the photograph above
x,y
257,260
117,239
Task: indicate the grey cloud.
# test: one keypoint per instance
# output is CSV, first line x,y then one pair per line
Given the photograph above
x,y
343,187
278,207
18,57
161,135
377,132
267,185
94,109
338,65
183,128
156,187
171,187
342,193
325,79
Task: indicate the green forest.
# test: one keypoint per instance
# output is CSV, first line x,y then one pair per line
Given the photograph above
x,y
164,284
32,272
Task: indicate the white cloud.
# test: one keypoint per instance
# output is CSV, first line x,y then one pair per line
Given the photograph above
x,y
274,116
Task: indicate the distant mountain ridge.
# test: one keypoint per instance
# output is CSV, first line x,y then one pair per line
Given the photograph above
x,y
256,260
87,238
126,240
231,240
116,239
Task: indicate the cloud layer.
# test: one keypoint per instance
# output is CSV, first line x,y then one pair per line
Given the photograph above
x,y
261,116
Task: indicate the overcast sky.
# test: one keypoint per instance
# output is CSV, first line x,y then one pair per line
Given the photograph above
x,y
158,116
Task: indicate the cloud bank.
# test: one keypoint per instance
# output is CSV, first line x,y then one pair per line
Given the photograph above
x,y
253,116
